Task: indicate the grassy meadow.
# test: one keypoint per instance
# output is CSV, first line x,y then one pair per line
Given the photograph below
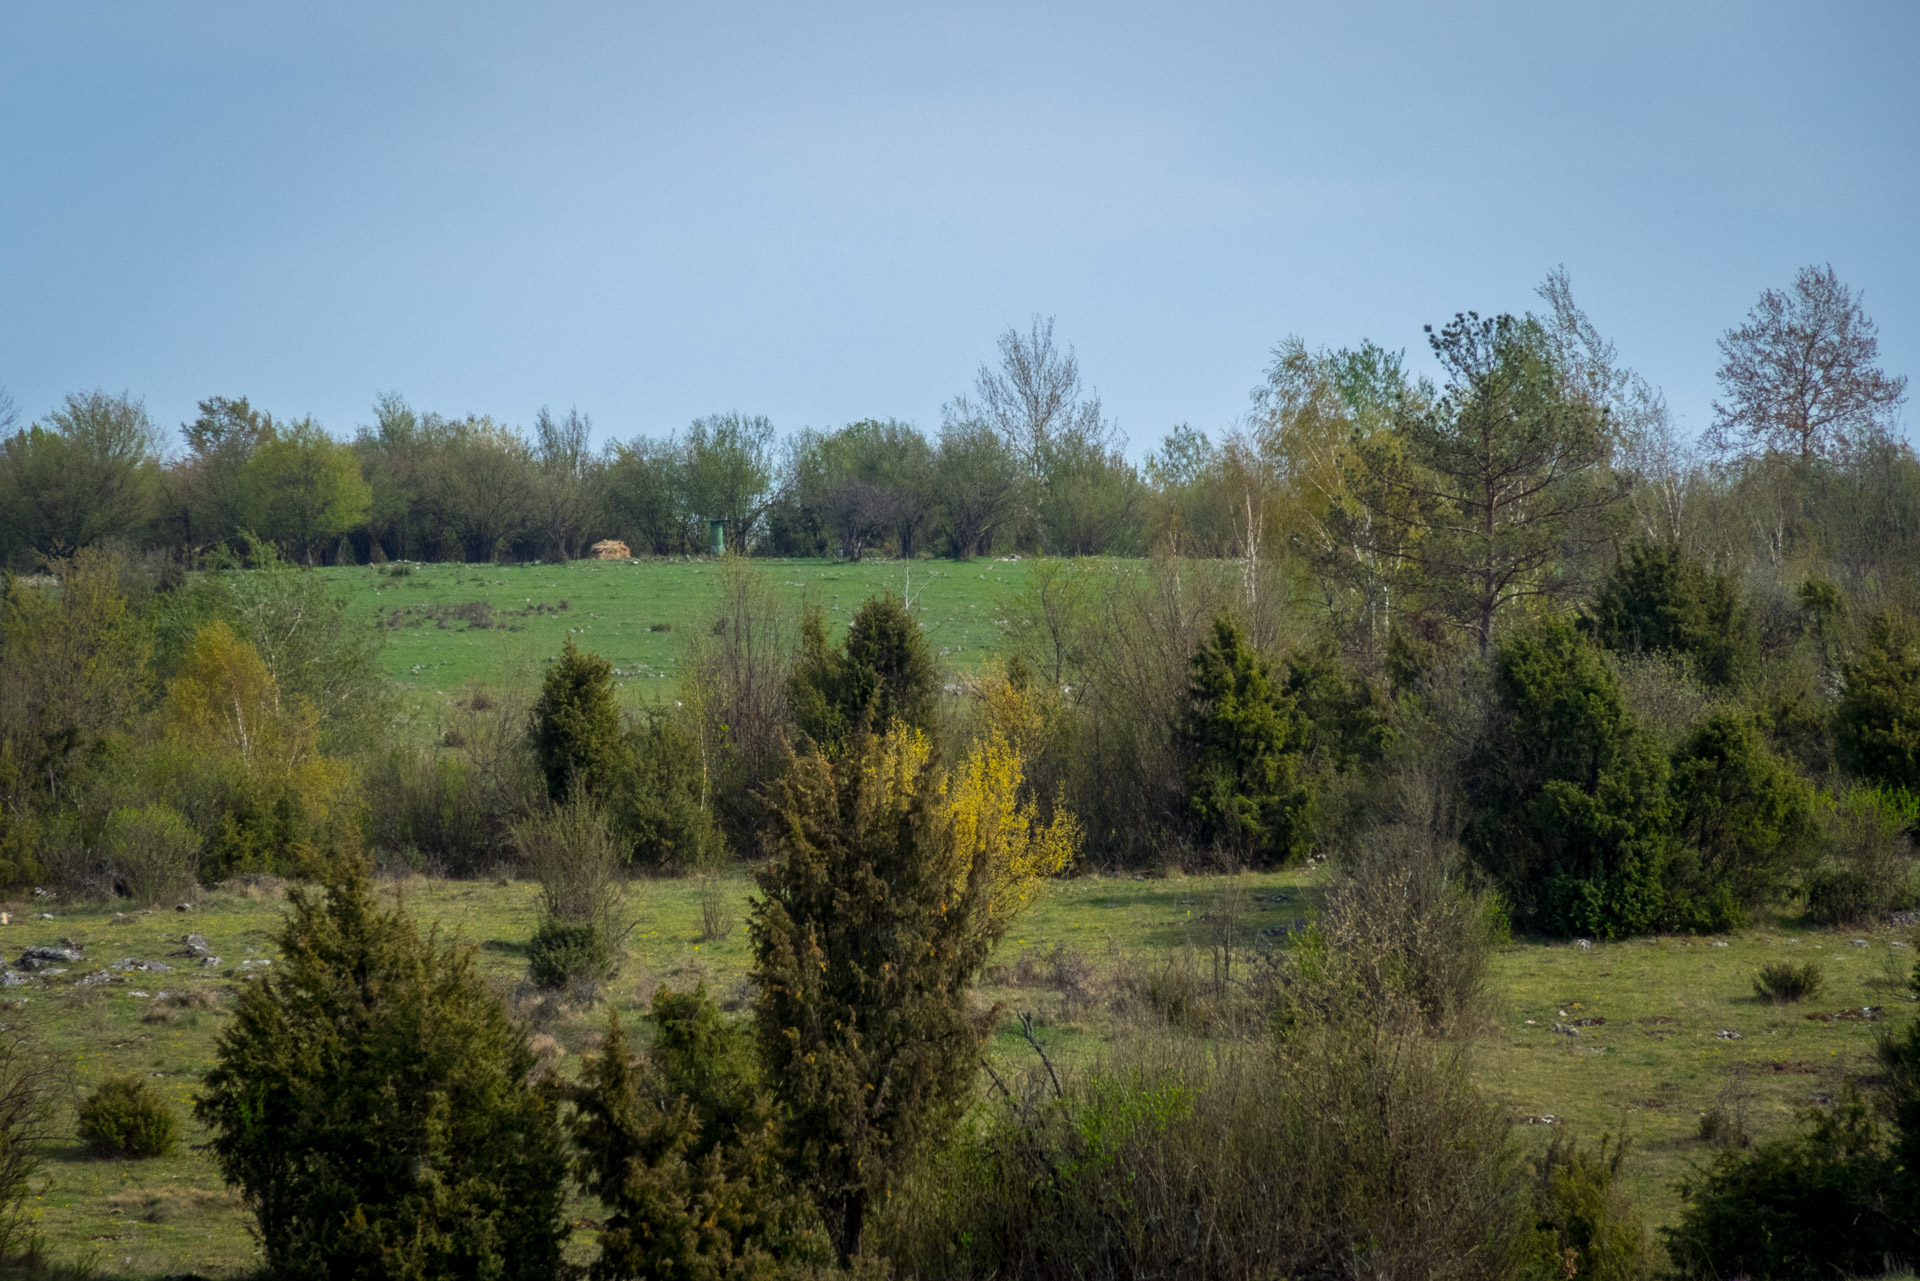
x,y
636,614
1099,959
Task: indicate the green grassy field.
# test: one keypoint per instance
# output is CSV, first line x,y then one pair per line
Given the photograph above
x,y
614,608
1077,961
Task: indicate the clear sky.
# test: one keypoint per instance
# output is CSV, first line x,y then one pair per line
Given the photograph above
x,y
826,212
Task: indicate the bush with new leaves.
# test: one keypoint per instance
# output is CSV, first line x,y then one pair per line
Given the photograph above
x,y
125,1116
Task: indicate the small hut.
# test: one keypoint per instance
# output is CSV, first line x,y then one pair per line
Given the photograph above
x,y
611,549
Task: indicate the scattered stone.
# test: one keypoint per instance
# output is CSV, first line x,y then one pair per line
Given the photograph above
x,y
1857,942
1583,944
1905,918
46,916
39,958
135,963
1566,1029
1793,940
254,963
1545,1119
1863,1014
209,962
98,977
194,947
1726,1034
14,978
1895,943
183,907
1719,943
1597,1020
1529,1022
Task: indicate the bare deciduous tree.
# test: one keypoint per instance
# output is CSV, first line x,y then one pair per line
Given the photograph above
x,y
1799,375
1034,400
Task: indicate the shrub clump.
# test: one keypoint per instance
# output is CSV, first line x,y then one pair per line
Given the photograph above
x,y
561,952
126,1117
1783,982
373,1102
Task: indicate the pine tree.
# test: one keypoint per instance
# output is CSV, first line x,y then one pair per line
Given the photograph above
x,y
371,1100
1656,600
873,924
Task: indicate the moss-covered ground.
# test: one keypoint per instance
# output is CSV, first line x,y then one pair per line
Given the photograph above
x,y
1099,958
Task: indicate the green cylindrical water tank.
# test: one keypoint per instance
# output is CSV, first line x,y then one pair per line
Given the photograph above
x,y
717,537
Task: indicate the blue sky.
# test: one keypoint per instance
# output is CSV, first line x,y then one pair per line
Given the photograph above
x,y
827,212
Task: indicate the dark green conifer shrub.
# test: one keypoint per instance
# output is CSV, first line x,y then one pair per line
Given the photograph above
x,y
1877,724
679,1144
577,736
665,814
371,1100
1743,819
561,952
1658,601
871,930
125,1116
883,674
1245,739
1571,813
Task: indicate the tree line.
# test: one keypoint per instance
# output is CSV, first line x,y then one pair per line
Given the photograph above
x,y
1345,461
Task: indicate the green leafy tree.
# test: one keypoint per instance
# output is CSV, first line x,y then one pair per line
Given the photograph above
x,y
1877,724
1570,805
728,473
666,811
872,926
1246,741
220,443
1742,817
77,666
883,674
304,489
371,1100
577,736
679,1144
1658,601
90,471
1491,493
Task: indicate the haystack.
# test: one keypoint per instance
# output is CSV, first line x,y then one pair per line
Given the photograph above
x,y
611,549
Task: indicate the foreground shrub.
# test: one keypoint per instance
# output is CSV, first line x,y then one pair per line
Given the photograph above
x,y
1783,982
125,1116
874,922
371,1100
28,1084
1323,1157
1829,1202
679,1145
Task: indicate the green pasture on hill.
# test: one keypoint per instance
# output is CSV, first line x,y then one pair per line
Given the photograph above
x,y
1670,1025
449,626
